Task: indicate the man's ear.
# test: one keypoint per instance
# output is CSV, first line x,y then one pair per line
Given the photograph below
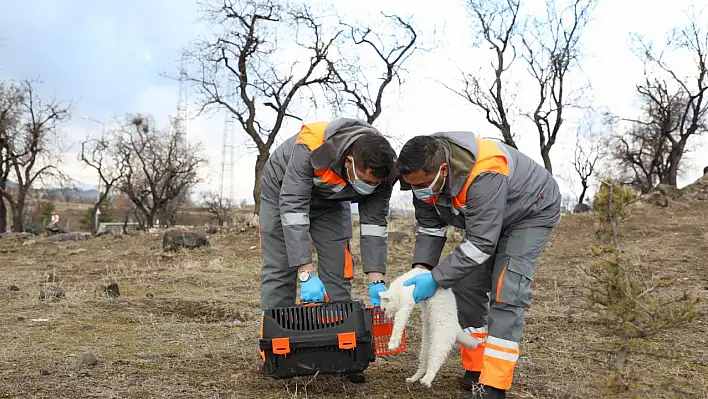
x,y
445,170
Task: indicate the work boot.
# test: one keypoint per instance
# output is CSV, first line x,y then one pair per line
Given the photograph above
x,y
469,380
356,378
492,393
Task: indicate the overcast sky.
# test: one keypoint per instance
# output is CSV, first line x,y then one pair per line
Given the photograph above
x,y
108,57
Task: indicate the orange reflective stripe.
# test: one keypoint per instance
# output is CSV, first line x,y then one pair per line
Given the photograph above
x,y
497,373
499,283
503,349
328,176
500,357
312,134
348,263
472,358
490,158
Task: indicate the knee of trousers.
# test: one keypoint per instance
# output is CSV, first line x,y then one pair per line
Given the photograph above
x,y
512,283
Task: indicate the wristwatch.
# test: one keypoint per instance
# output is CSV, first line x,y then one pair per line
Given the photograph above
x,y
304,275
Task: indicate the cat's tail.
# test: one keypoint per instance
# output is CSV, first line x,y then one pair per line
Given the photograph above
x,y
466,340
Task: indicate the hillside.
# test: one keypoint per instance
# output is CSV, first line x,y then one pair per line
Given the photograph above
x,y
185,325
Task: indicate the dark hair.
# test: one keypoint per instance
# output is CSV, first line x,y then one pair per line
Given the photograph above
x,y
373,151
420,152
705,170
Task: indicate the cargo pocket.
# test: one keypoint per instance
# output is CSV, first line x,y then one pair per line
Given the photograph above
x,y
513,285
348,262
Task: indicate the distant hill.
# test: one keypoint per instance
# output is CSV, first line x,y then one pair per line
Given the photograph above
x,y
63,194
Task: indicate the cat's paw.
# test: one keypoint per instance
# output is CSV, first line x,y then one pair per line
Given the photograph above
x,y
393,344
415,378
426,383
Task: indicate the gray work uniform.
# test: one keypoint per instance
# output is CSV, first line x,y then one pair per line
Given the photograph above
x,y
507,204
305,200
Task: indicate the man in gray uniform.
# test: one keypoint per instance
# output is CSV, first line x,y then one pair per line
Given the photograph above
x,y
507,204
307,186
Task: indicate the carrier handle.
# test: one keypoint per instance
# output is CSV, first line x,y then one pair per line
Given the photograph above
x,y
315,303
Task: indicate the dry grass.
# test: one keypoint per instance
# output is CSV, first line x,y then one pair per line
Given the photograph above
x,y
186,325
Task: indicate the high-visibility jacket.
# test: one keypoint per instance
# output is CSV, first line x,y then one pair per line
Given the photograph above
x,y
491,187
308,170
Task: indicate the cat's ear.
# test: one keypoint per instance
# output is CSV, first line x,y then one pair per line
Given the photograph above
x,y
384,295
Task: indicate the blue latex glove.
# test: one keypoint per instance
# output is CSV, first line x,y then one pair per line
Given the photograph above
x,y
425,286
312,290
374,290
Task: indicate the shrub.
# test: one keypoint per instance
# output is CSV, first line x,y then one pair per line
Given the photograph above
x,y
107,213
629,305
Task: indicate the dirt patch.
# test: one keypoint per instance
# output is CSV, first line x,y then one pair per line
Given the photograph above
x,y
186,310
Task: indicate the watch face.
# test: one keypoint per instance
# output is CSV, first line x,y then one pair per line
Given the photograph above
x,y
304,276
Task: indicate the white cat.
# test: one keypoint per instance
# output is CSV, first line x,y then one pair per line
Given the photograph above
x,y
440,327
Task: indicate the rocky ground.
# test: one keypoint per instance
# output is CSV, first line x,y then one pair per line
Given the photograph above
x,y
116,316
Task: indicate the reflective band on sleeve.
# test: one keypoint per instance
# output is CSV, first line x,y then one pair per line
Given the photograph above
x,y
512,357
295,219
504,343
475,330
432,231
374,230
472,252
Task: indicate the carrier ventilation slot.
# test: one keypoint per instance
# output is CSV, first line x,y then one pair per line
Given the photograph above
x,y
311,318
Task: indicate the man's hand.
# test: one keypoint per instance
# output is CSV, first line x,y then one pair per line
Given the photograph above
x,y
312,290
374,290
425,286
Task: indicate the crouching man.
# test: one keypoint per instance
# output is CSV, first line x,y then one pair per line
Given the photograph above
x,y
507,204
307,186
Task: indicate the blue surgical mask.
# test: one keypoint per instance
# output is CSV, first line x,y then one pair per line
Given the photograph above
x,y
427,192
360,187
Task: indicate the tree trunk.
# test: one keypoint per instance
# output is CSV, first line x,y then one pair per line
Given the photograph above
x,y
149,220
94,220
18,225
3,216
506,134
125,222
674,161
260,164
546,155
582,193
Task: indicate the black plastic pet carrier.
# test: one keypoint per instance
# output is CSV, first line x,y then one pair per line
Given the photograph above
x,y
327,338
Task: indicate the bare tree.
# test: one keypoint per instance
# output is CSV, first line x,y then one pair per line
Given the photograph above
x,y
644,149
102,156
496,24
350,86
30,145
585,158
158,167
10,99
218,206
245,47
168,214
552,51
676,106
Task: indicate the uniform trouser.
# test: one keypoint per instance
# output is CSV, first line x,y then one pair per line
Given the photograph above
x,y
331,232
499,317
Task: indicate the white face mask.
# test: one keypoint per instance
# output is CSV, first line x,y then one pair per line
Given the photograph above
x,y
427,192
360,187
